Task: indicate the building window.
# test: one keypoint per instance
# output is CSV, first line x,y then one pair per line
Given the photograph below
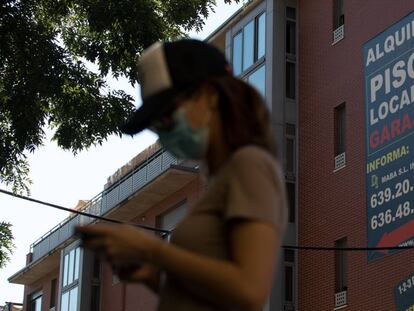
x,y
338,21
340,128
289,255
291,13
290,134
338,14
95,298
291,196
249,45
70,279
70,300
290,155
340,266
35,303
258,79
290,42
289,283
290,31
290,80
71,267
261,35
291,37
170,219
289,280
53,293
237,53
339,136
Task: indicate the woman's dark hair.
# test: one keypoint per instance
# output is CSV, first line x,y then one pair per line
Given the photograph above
x,y
244,115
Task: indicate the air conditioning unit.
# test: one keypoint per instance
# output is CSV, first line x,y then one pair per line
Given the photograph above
x,y
340,161
340,299
338,34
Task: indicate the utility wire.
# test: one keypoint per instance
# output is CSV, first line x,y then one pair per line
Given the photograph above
x,y
80,212
321,248
291,247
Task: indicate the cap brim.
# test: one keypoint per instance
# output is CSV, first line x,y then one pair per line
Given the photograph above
x,y
151,109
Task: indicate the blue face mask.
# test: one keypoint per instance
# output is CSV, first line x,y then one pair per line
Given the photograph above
x,y
182,140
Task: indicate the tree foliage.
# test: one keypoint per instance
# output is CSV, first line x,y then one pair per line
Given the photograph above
x,y
6,243
43,79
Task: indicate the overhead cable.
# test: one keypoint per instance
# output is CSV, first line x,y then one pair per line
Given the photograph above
x,y
81,212
291,247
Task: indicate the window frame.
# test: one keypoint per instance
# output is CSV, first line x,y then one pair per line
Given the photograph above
x,y
73,267
290,58
254,48
289,263
291,291
69,288
240,32
257,62
338,14
95,295
33,298
291,205
292,77
292,20
290,136
256,36
53,293
341,265
340,129
251,73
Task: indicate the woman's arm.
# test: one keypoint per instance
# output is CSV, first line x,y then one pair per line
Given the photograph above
x,y
242,283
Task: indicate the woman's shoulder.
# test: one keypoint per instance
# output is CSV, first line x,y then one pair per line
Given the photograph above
x,y
251,154
256,187
249,159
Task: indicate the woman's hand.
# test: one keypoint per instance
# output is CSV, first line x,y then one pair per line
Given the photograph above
x,y
146,273
122,245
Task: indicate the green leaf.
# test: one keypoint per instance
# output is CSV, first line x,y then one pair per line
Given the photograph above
x,y
6,243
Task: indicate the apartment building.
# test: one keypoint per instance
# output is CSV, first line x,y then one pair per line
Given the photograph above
x,y
355,86
154,189
337,78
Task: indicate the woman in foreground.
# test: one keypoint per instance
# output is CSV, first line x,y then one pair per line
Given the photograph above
x,y
223,254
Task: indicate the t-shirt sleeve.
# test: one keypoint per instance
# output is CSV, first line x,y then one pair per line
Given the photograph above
x,y
256,188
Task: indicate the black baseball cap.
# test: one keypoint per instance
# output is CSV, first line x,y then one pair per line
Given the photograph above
x,y
168,68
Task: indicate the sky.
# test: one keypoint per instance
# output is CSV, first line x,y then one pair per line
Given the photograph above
x,y
61,178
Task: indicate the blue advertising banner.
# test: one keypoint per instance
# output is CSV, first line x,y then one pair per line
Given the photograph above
x,y
389,107
404,294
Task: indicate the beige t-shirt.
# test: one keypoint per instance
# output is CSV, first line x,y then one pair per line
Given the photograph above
x,y
249,186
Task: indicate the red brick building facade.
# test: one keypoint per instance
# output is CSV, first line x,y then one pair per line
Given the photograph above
x,y
332,203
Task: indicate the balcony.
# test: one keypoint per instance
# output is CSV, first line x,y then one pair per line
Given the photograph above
x,y
154,179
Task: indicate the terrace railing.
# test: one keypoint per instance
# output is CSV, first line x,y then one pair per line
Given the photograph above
x,y
102,203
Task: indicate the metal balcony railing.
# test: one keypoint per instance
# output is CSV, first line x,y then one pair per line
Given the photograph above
x,y
102,203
